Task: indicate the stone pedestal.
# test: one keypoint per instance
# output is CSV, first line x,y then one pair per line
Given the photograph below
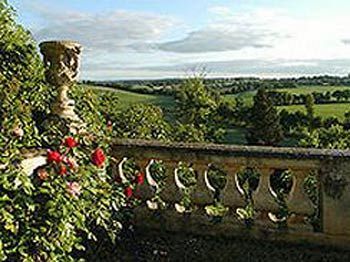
x,y
62,61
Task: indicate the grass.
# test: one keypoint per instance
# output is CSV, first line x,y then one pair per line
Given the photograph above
x,y
309,89
324,110
167,103
236,135
127,99
248,96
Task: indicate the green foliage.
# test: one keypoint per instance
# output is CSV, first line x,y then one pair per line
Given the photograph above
x,y
334,137
265,127
248,180
187,177
347,120
217,179
311,187
309,106
22,90
40,218
142,122
198,106
188,133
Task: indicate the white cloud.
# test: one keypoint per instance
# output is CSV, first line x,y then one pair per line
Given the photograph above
x,y
216,40
227,33
267,41
244,67
108,32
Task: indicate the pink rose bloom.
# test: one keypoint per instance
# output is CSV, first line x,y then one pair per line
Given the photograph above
x,y
73,188
18,132
42,174
71,162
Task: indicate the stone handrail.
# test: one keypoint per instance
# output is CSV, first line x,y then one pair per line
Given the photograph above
x,y
332,169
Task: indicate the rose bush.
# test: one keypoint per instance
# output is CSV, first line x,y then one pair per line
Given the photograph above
x,y
50,215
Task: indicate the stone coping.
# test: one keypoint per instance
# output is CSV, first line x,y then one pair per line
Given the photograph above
x,y
219,149
234,150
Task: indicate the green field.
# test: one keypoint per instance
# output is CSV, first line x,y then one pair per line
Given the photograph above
x,y
127,99
324,111
235,135
168,104
248,96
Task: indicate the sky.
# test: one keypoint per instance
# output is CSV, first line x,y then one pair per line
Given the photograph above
x,y
136,39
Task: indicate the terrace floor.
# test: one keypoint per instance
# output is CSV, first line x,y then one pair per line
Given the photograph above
x,y
137,245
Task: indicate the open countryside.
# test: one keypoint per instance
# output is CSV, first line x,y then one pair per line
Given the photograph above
x,y
127,98
174,131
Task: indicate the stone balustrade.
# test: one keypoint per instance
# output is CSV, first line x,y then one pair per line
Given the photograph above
x,y
330,168
264,212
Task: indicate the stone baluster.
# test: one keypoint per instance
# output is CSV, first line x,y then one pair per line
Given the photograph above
x,y
335,197
170,193
262,197
114,162
144,190
231,195
201,195
298,202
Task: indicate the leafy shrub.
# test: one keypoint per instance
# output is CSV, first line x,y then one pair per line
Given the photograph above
x,y
48,215
22,90
334,137
142,122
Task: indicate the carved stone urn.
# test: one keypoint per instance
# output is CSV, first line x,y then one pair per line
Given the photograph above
x,y
62,61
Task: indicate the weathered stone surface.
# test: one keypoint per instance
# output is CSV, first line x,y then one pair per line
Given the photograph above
x,y
336,197
62,59
30,164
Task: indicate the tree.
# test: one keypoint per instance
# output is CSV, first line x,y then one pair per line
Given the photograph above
x,y
265,127
141,122
309,106
346,123
198,107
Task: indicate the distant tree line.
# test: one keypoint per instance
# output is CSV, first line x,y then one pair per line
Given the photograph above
x,y
235,85
286,98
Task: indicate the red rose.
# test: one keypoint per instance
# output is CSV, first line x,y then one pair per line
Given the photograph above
x,y
98,157
70,142
140,178
54,156
128,192
63,170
